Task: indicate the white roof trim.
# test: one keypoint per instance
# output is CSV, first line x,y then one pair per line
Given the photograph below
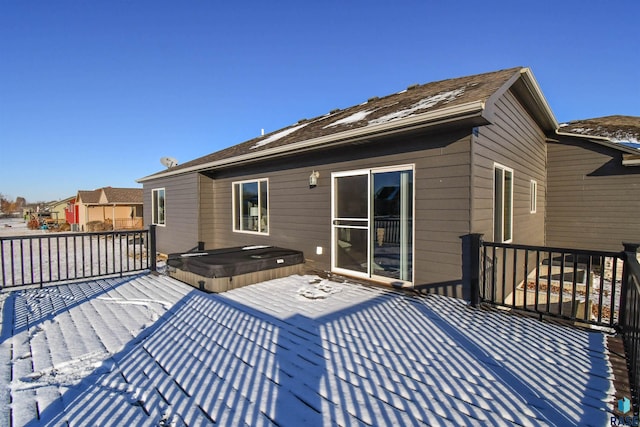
x,y
534,88
630,162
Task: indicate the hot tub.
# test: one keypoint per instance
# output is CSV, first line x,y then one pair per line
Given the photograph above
x,y
220,270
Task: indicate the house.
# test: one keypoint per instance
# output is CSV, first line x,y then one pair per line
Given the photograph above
x,y
593,195
58,209
385,189
107,208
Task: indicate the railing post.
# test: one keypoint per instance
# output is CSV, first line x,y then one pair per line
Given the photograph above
x,y
630,251
471,254
152,248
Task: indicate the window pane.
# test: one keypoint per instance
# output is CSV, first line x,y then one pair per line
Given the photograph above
x,y
393,224
237,207
158,207
249,208
352,196
264,200
154,207
351,249
497,205
508,205
534,197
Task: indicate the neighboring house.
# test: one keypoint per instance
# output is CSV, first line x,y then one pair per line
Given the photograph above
x,y
58,209
121,207
383,190
71,214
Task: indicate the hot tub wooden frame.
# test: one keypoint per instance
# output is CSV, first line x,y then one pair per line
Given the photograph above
x,y
223,284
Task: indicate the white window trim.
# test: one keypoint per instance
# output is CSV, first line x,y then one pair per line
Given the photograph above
x,y
155,191
533,189
504,169
234,215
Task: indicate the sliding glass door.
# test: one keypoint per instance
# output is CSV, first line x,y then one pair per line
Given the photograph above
x,y
373,223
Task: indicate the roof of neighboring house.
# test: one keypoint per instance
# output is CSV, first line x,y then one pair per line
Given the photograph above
x,y
112,195
620,132
89,196
123,195
61,202
415,108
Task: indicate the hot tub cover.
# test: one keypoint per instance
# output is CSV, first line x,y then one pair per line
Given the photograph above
x,y
230,262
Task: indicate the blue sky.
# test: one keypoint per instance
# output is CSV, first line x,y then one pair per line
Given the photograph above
x,y
93,93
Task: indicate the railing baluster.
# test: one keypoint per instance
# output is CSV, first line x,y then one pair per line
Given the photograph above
x,y
31,261
537,286
574,292
98,255
2,258
504,274
91,254
588,285
12,258
135,245
614,276
561,284
549,267
525,280
58,250
129,253
601,293
483,272
74,240
41,266
84,238
515,278
49,258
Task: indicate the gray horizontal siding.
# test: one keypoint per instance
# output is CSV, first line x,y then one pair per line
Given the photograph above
x,y
180,233
206,223
300,217
593,200
513,140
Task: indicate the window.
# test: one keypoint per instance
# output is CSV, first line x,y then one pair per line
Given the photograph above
x,y
157,206
251,206
503,204
534,197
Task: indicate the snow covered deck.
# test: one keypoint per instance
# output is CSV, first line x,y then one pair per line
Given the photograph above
x,y
149,350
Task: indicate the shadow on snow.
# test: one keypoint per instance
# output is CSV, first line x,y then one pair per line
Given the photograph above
x,y
393,359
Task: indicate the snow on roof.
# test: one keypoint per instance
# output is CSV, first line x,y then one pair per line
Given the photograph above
x,y
353,118
148,350
277,136
619,129
442,97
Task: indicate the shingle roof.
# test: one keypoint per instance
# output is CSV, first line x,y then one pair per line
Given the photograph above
x,y
123,195
375,113
113,195
615,128
89,196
